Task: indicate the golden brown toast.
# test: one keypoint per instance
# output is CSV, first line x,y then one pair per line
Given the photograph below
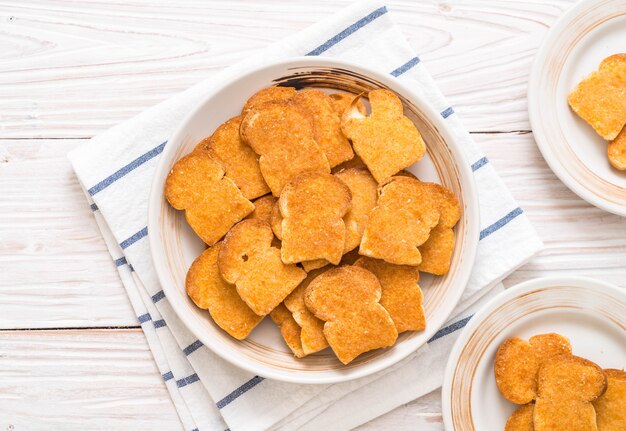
x,y
238,159
312,207
347,299
566,387
386,140
600,98
212,202
518,361
208,290
248,260
402,296
611,407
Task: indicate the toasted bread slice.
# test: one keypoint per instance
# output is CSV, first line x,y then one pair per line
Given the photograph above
x,y
600,98
566,387
611,407
518,361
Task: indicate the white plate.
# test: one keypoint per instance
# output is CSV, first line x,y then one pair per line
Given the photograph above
x,y
592,314
589,32
174,245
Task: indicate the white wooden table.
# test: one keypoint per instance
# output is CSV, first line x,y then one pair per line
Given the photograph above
x,y
72,355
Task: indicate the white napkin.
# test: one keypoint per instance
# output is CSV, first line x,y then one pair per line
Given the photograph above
x,y
116,168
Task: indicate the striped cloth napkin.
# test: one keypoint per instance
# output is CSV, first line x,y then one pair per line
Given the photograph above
x,y
116,168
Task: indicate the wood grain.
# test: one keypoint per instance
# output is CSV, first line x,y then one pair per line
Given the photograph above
x,y
56,270
579,238
81,380
74,69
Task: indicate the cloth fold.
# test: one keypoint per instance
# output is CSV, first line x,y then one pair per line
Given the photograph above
x,y
116,167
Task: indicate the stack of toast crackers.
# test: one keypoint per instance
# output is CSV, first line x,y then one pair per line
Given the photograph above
x,y
310,218
557,390
600,100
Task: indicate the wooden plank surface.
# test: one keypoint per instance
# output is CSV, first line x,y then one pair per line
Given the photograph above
x,y
56,270
81,380
72,69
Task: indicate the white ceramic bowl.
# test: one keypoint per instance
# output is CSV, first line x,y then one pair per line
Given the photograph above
x,y
587,311
574,47
174,245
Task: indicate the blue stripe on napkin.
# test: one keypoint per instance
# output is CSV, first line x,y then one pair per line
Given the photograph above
x,y
158,296
159,323
479,164
348,31
500,223
134,238
192,347
238,392
121,261
406,66
447,112
187,380
144,318
126,169
450,329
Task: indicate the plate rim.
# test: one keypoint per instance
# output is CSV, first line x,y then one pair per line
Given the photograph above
x,y
472,211
533,97
512,293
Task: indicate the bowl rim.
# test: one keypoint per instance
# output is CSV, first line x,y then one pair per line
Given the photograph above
x,y
516,291
471,212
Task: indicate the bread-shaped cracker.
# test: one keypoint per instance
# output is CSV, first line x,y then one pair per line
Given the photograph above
x,y
521,419
518,361
238,159
276,222
209,291
248,260
326,125
617,151
386,140
289,329
346,298
401,296
263,209
212,202
437,250
282,134
401,221
611,407
312,206
312,335
566,387
363,188
270,94
600,98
